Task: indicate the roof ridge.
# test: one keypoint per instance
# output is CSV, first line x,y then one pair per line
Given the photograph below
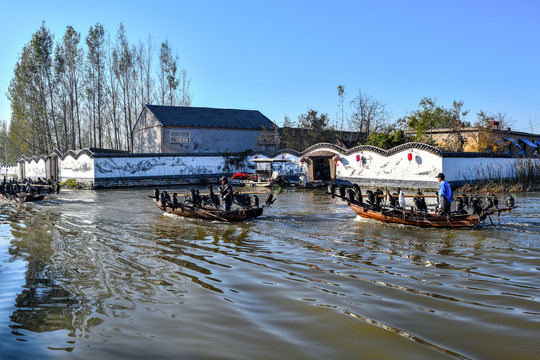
x,y
201,107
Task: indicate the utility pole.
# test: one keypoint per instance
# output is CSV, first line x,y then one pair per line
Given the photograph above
x,y
5,154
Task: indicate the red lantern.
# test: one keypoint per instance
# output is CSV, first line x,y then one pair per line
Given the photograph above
x,y
357,157
256,157
283,156
409,156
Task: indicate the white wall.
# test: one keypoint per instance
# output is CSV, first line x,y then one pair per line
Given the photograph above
x,y
423,166
80,168
12,171
34,169
366,166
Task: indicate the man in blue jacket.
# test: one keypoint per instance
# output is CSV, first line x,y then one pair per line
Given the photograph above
x,y
445,194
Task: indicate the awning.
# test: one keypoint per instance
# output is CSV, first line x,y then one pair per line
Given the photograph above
x,y
323,153
514,142
529,143
537,142
268,160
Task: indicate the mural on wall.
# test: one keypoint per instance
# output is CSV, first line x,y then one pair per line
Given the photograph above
x,y
161,166
78,167
142,166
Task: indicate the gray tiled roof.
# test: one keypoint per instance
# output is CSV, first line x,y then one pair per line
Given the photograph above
x,y
184,116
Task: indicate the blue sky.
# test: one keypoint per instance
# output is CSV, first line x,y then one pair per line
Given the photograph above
x,y
286,57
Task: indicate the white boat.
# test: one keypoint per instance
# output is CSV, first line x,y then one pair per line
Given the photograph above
x,y
265,174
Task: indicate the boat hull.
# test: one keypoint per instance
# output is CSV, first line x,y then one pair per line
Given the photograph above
x,y
22,199
416,219
207,213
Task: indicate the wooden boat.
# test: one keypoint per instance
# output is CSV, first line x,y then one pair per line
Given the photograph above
x,y
423,219
19,199
419,216
209,213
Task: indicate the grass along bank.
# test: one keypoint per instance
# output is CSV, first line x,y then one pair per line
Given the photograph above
x,y
521,176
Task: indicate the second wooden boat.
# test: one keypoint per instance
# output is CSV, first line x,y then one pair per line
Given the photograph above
x,y
210,213
421,219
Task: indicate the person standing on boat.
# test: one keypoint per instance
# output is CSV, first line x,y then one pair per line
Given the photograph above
x,y
445,194
226,192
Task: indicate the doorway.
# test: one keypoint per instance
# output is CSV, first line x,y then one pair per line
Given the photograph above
x,y
322,168
53,168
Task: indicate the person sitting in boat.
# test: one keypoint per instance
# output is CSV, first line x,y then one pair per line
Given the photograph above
x,y
226,192
174,201
445,194
163,200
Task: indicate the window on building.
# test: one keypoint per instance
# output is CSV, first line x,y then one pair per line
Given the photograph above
x,y
179,137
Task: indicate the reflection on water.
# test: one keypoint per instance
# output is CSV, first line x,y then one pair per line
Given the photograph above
x,y
106,273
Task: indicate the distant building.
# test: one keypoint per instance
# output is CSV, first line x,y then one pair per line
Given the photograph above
x,y
299,138
514,142
196,130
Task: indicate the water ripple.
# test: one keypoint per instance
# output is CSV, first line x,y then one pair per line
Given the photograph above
x,y
97,277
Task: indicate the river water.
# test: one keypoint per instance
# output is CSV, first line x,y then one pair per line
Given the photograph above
x,y
107,275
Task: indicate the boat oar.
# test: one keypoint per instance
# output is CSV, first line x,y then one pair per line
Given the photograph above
x,y
214,215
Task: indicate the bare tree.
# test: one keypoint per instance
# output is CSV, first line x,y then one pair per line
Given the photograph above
x,y
123,63
168,77
489,136
144,69
369,115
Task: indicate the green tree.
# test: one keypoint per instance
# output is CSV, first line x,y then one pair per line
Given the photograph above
x,y
69,60
95,82
316,128
30,92
388,139
287,138
6,146
65,98
429,117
